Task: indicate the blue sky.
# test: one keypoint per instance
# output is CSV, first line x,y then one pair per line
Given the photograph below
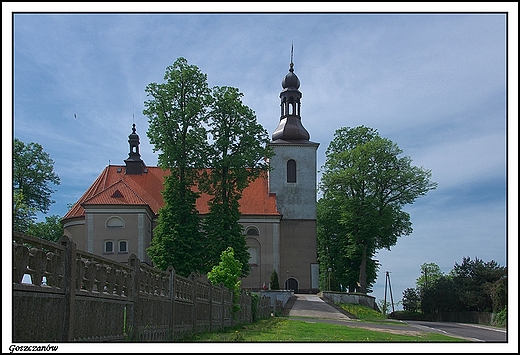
x,y
434,83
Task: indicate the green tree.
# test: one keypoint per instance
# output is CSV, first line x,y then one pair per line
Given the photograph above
x,y
337,252
177,112
275,283
440,296
33,175
236,157
23,215
370,183
477,283
430,272
228,272
411,300
51,229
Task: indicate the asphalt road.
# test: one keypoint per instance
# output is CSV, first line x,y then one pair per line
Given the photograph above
x,y
309,307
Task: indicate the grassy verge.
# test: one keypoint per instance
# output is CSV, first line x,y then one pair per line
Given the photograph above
x,y
279,329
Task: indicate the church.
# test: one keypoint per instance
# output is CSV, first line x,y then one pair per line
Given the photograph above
x,y
117,214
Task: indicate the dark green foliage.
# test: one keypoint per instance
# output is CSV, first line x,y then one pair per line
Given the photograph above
x,y
440,296
474,285
365,184
236,157
33,173
275,283
222,230
481,286
211,143
411,300
51,229
177,240
177,112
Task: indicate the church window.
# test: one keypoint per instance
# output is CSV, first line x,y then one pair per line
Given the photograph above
x,y
253,256
252,231
109,246
115,222
123,246
291,171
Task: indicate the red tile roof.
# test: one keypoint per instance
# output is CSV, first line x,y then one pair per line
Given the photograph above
x,y
114,187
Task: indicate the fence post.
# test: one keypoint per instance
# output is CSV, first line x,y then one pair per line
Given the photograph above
x,y
133,320
172,301
69,287
223,302
193,278
210,297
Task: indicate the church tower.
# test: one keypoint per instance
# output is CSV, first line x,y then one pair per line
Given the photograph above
x,y
293,180
134,164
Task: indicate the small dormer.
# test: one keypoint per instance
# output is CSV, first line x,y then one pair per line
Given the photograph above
x,y
134,164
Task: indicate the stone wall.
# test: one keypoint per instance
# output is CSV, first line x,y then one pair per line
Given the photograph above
x,y
356,298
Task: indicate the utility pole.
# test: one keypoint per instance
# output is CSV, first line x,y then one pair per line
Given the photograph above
x,y
387,281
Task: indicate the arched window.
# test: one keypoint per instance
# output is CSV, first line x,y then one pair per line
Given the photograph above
x,y
253,256
252,231
291,171
115,222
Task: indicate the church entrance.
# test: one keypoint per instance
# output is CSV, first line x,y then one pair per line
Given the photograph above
x,y
292,284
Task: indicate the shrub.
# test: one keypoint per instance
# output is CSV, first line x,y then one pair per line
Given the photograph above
x,y
275,285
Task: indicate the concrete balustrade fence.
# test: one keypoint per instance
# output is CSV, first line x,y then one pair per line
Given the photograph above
x,y
78,296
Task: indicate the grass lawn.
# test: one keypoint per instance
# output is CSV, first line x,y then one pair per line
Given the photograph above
x,y
280,329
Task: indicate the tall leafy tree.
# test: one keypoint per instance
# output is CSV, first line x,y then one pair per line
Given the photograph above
x,y
177,112
33,176
369,182
338,255
236,156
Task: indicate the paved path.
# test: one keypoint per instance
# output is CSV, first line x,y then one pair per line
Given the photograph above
x,y
312,306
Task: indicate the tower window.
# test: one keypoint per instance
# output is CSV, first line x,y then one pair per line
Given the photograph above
x,y
291,171
109,246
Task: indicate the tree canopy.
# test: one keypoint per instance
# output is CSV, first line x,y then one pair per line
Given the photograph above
x,y
365,184
236,156
33,175
430,273
473,285
212,144
177,112
51,229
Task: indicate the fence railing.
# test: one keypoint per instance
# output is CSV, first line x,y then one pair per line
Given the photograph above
x,y
74,295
